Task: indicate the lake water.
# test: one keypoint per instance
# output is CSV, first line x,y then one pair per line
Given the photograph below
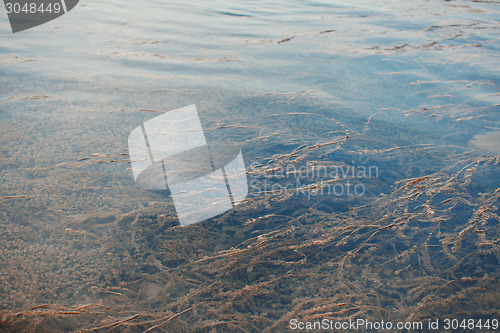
x,y
370,131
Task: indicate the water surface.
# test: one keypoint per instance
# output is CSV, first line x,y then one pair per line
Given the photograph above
x,y
407,87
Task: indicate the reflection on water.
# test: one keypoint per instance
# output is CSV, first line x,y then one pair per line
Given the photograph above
x,y
488,141
408,88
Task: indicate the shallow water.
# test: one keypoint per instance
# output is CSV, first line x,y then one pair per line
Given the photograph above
x,y
409,88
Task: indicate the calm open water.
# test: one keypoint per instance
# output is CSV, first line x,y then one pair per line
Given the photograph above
x,y
418,80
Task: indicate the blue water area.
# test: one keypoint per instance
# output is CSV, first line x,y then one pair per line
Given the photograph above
x,y
407,88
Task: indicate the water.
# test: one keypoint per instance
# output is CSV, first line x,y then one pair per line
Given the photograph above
x,y
409,89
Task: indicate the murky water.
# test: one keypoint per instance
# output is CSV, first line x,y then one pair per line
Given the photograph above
x,y
370,134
